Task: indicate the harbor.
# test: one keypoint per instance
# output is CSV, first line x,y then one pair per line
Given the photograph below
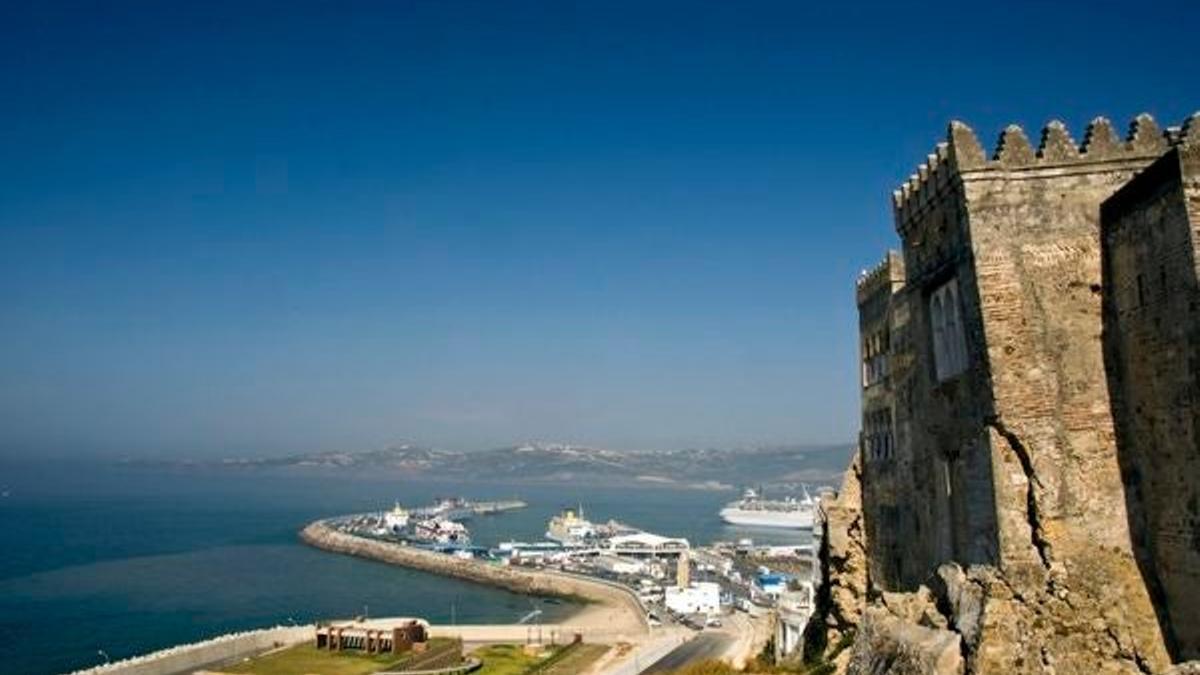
x,y
641,581
503,608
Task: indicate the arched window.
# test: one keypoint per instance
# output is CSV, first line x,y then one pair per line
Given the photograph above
x,y
949,341
954,347
938,320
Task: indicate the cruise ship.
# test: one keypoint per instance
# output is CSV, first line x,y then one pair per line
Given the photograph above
x,y
755,511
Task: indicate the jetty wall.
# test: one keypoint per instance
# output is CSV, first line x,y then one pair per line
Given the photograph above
x,y
628,615
197,655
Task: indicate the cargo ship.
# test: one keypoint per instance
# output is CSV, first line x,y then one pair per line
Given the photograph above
x,y
570,528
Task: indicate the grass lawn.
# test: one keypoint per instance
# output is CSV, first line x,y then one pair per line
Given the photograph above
x,y
512,659
306,659
505,660
577,660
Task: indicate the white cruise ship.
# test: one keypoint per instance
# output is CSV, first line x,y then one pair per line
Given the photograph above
x,y
754,511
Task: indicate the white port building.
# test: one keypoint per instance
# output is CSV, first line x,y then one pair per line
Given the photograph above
x,y
795,609
619,565
701,597
647,544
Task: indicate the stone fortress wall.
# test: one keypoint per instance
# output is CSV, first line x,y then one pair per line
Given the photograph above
x,y
883,328
1151,241
991,468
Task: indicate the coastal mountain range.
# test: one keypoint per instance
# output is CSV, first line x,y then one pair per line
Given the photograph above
x,y
561,462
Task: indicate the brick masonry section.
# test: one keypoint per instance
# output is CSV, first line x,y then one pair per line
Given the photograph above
x,y
1152,349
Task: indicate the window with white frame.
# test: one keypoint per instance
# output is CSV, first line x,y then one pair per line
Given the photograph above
x,y
875,357
946,326
878,440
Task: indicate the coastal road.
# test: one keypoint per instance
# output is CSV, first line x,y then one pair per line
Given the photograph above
x,y
707,645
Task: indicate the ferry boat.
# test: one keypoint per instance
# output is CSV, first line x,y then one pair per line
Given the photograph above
x,y
571,528
441,531
396,520
755,511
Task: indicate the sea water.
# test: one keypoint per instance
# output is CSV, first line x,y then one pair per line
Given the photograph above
x,y
105,561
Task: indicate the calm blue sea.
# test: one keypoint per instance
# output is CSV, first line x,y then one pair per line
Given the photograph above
x,y
123,560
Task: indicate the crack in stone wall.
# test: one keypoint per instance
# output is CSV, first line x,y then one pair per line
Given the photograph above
x,y
1033,515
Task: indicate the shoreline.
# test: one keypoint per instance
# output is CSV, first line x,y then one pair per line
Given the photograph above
x,y
609,607
612,613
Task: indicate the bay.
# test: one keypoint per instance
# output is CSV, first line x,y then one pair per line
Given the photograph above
x,y
109,561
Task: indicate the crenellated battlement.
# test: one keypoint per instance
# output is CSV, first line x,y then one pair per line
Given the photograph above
x,y
889,272
1043,291
1188,133
962,153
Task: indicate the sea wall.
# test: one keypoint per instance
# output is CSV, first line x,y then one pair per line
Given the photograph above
x,y
627,615
189,657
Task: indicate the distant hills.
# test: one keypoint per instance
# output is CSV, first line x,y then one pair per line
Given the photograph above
x,y
560,462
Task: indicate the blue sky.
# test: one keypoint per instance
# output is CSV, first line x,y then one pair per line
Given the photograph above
x,y
253,229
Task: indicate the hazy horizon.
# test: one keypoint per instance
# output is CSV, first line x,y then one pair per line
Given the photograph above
x,y
169,455
231,232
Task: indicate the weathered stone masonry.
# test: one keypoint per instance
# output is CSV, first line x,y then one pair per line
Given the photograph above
x,y
883,330
1001,454
1151,237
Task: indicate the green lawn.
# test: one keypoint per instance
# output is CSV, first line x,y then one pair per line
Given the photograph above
x,y
512,659
506,660
306,659
577,661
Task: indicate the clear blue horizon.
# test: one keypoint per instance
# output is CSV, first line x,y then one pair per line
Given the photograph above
x,y
227,229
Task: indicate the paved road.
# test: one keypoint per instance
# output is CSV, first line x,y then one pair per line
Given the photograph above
x,y
707,645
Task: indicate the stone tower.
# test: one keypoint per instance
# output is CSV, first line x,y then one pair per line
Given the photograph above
x,y
1004,451
1151,255
883,329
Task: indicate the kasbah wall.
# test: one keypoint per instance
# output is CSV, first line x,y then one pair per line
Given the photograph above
x,y
1026,493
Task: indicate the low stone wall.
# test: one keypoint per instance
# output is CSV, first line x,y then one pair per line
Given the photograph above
x,y
644,655
521,633
189,657
470,665
630,614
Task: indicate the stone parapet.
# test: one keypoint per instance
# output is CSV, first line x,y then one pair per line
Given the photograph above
x,y
961,155
887,275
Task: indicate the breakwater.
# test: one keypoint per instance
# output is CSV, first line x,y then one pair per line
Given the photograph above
x,y
189,657
624,611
